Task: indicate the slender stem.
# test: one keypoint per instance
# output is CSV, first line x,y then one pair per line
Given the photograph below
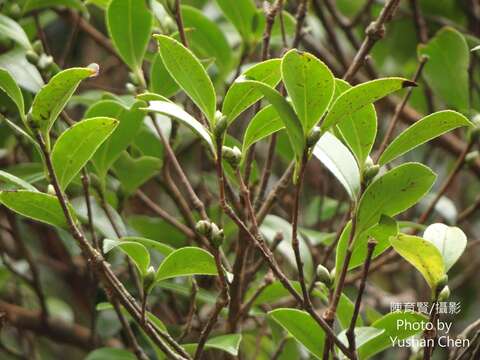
x,y
356,311
179,21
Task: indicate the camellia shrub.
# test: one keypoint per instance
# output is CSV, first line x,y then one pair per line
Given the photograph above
x,y
239,179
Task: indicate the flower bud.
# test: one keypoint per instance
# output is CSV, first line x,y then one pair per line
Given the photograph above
x,y
15,11
216,236
314,136
323,275
131,88
45,62
133,78
444,294
149,280
32,57
221,125
204,227
38,47
232,155
370,170
471,157
51,190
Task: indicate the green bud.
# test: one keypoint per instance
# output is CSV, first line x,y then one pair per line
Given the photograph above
x,y
204,227
232,155
314,136
221,125
15,11
32,57
370,170
131,88
323,275
149,280
38,47
444,294
471,157
216,236
51,189
133,78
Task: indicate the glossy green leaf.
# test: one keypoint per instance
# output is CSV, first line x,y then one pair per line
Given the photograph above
x,y
359,129
229,343
393,328
53,97
446,70
110,353
135,250
285,111
8,178
386,228
338,159
422,131
134,172
10,87
310,84
160,80
25,74
189,74
264,123
393,192
130,120
76,146
35,205
241,13
31,5
161,248
129,24
186,261
206,38
451,241
170,109
360,96
423,255
302,327
11,29
240,96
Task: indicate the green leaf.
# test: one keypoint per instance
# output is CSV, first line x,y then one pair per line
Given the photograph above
x,y
241,96
135,250
339,161
110,353
446,70
451,241
189,74
76,146
185,262
10,87
241,14
363,334
130,121
25,74
160,80
310,84
206,38
359,129
150,244
381,232
16,181
129,24
133,173
229,343
360,96
393,192
285,111
11,29
392,329
31,5
52,98
422,131
302,327
423,255
264,123
35,205
173,110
